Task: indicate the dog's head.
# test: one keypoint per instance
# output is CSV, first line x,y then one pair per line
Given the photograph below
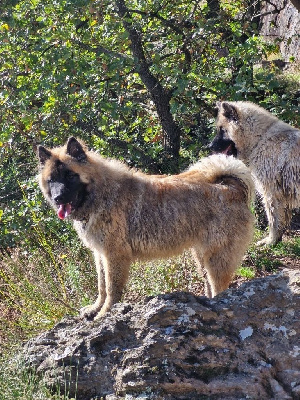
x,y
60,177
228,127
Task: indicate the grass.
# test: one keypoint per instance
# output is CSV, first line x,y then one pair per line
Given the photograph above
x,y
20,383
17,382
246,272
161,276
271,259
35,293
291,77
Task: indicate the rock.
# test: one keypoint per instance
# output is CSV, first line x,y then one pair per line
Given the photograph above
x,y
243,344
283,25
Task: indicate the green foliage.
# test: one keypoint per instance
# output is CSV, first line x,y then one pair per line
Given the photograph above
x,y
246,272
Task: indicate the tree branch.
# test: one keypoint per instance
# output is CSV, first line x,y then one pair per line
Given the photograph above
x,y
100,50
174,25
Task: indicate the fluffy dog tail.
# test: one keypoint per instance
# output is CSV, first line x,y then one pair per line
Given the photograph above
x,y
218,167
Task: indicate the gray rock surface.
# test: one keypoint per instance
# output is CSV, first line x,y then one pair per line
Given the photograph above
x,y
243,344
284,25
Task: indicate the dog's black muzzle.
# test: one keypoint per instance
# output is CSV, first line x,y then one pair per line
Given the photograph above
x,y
224,146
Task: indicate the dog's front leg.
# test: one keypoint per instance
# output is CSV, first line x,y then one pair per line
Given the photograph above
x,y
93,309
116,270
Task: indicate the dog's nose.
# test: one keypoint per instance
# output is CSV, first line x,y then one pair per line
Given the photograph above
x,y
58,192
58,199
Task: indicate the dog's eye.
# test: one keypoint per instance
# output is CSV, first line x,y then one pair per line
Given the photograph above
x,y
221,131
224,132
72,175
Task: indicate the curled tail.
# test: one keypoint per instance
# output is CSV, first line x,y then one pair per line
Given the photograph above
x,y
219,167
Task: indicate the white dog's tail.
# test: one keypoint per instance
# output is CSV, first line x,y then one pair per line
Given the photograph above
x,y
217,166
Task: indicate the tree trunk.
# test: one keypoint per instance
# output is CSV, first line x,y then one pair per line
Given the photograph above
x,y
160,96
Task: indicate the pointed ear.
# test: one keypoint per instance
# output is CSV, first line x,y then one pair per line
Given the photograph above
x,y
76,150
216,109
43,155
230,112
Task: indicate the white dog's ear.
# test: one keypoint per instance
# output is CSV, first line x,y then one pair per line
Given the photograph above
x,y
230,112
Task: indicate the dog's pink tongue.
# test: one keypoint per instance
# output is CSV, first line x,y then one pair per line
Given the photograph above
x,y
64,210
226,151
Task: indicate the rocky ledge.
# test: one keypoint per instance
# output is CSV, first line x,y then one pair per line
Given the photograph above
x,y
243,344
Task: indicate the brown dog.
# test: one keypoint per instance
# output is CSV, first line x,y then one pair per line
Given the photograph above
x,y
123,215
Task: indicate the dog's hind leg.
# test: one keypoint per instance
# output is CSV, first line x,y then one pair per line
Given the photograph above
x,y
279,217
219,273
198,257
218,268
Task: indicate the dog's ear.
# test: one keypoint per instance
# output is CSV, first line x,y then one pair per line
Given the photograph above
x,y
76,150
43,154
217,108
230,112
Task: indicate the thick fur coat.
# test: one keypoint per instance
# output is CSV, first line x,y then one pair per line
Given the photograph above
x,y
124,215
271,149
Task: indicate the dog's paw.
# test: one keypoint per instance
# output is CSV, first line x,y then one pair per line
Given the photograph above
x,y
268,241
90,311
99,315
102,312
